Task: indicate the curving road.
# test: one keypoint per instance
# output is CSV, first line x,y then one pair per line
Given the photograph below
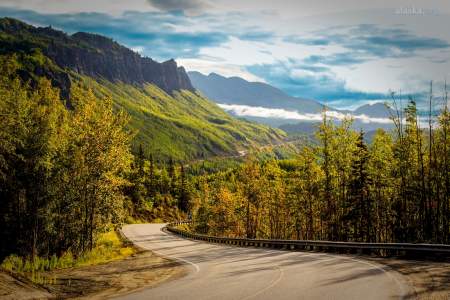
x,y
227,272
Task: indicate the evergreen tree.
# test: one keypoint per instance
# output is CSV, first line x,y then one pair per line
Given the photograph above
x,y
359,208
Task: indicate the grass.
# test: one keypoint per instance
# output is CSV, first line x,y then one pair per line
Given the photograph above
x,y
109,248
182,126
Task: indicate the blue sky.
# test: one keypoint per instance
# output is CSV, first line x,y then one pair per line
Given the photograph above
x,y
343,54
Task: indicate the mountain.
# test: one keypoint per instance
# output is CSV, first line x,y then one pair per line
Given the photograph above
x,y
256,101
235,90
172,120
92,55
377,110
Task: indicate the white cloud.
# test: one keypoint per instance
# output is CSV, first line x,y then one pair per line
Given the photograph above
x,y
239,52
277,113
409,75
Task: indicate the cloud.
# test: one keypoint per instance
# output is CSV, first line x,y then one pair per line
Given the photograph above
x,y
276,113
298,79
160,35
179,5
338,59
257,36
365,42
305,41
152,33
318,58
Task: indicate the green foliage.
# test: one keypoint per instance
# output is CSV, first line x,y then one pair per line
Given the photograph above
x,y
108,248
62,172
182,126
339,188
158,192
19,37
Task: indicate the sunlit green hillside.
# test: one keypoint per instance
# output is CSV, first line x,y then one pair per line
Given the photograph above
x,y
170,119
183,126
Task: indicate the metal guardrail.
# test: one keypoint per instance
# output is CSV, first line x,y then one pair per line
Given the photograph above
x,y
379,248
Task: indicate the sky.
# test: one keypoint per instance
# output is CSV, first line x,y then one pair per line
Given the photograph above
x,y
342,53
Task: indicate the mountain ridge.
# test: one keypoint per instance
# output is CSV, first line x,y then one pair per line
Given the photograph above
x,y
172,121
376,110
257,97
236,90
269,96
93,55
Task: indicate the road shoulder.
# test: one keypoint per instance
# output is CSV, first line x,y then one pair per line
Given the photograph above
x,y
429,279
140,271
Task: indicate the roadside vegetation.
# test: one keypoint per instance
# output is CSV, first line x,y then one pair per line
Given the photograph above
x,y
339,188
108,248
68,177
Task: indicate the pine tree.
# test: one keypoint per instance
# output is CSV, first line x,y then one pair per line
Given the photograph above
x,y
185,194
360,208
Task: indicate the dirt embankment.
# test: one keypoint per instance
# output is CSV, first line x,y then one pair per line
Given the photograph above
x,y
142,270
430,279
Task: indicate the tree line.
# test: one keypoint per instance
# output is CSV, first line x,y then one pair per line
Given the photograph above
x,y
68,174
341,188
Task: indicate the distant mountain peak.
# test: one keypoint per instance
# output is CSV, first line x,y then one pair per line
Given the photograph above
x,y
375,110
236,90
373,105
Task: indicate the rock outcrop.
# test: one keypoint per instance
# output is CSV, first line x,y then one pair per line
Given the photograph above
x,y
93,55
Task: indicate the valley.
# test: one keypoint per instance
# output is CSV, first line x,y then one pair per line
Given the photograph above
x,y
184,149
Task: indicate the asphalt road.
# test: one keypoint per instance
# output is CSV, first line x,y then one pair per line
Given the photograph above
x,y
229,272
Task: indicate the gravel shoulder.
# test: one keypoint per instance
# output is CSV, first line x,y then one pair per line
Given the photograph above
x,y
140,271
430,279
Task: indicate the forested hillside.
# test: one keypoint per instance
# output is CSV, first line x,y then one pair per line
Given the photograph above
x,y
67,176
171,120
85,147
181,126
395,189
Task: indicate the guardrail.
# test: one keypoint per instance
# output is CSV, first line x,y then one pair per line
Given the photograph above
x,y
384,249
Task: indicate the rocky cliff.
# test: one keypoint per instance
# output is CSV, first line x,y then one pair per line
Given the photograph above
x,y
93,55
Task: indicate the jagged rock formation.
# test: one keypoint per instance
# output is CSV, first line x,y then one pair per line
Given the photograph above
x,y
92,55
